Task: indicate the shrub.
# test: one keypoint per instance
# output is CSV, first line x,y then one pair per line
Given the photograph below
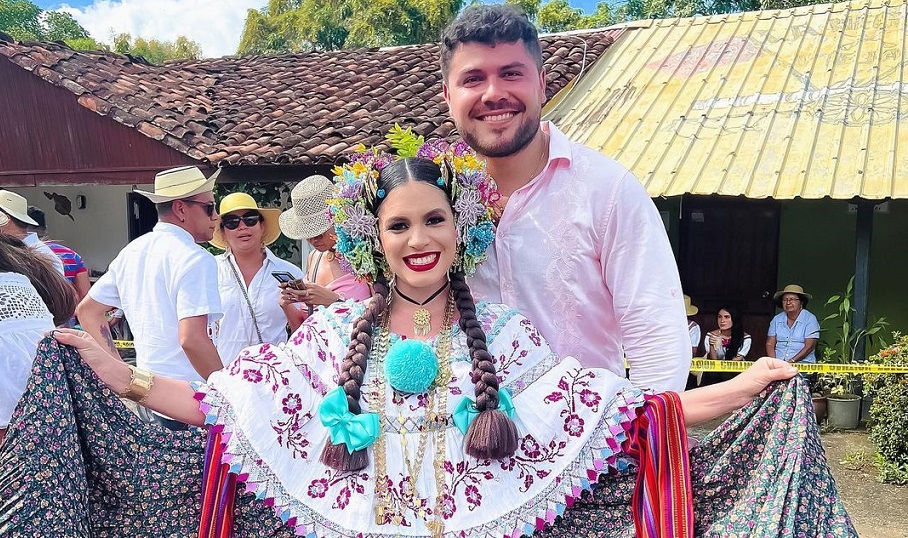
x,y
890,412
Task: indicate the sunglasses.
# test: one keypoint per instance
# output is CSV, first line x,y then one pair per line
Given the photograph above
x,y
232,222
209,206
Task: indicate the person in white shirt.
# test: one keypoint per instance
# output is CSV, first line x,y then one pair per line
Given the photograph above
x,y
14,221
693,328
33,298
166,284
249,293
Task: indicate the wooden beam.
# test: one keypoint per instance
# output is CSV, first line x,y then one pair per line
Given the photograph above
x,y
863,237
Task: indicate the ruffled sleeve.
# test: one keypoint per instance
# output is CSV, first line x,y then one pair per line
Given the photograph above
x,y
263,398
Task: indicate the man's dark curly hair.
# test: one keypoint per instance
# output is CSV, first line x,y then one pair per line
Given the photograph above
x,y
489,25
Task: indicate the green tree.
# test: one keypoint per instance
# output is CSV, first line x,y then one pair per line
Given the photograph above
x,y
21,20
155,51
304,25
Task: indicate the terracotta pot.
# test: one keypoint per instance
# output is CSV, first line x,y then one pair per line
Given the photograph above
x,y
819,407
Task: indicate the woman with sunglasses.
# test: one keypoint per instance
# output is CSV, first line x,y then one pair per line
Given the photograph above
x,y
249,294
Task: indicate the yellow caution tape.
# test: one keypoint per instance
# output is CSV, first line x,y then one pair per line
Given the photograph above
x,y
705,365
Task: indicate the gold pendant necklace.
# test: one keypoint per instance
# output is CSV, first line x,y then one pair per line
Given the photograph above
x,y
387,510
422,318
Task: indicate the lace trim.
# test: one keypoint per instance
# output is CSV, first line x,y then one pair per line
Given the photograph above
x,y
21,302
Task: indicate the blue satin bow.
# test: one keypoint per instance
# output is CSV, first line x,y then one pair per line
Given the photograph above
x,y
466,411
355,431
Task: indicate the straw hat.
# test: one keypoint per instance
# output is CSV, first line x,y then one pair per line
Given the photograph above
x,y
308,217
179,183
792,288
238,201
689,308
15,206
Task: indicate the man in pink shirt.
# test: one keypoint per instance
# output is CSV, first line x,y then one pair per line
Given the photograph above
x,y
580,247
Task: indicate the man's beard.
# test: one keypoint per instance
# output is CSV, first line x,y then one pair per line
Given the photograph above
x,y
524,135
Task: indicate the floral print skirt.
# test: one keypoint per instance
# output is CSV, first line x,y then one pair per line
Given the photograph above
x,y
79,463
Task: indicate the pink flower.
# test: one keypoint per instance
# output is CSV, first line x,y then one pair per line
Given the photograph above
x,y
252,375
448,507
530,447
573,425
292,403
589,398
318,488
474,498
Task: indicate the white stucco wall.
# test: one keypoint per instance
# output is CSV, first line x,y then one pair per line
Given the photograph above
x,y
99,231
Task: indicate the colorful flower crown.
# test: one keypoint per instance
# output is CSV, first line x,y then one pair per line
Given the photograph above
x,y
471,189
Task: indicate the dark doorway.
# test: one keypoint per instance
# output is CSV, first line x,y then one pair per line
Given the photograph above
x,y
729,254
142,215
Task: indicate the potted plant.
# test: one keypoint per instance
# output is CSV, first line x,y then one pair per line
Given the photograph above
x,y
841,340
844,406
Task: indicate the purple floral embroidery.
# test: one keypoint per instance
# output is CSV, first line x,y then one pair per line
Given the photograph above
x,y
474,498
590,399
251,375
448,506
573,425
292,403
573,387
263,366
318,488
532,458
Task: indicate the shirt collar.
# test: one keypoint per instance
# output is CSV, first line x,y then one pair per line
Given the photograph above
x,y
559,144
174,230
31,239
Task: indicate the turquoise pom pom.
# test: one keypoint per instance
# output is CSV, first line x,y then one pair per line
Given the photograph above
x,y
411,366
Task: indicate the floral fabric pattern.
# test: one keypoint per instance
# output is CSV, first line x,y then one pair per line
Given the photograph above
x,y
77,462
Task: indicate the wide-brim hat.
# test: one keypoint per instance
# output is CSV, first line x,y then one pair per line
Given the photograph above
x,y
15,206
239,201
308,217
792,288
179,183
689,308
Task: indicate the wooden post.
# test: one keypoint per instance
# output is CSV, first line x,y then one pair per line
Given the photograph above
x,y
863,236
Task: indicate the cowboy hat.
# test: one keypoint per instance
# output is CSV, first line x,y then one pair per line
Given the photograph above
x,y
308,217
689,308
792,288
15,206
179,183
239,201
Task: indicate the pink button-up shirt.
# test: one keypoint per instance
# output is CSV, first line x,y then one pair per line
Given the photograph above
x,y
582,252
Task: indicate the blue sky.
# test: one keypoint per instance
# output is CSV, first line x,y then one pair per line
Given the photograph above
x,y
216,25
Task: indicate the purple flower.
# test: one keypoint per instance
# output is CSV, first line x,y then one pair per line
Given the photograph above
x,y
573,425
448,507
589,398
474,498
530,447
252,375
318,488
292,403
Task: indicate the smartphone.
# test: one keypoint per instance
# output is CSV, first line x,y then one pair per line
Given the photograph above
x,y
283,276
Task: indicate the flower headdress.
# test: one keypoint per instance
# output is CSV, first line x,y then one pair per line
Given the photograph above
x,y
471,189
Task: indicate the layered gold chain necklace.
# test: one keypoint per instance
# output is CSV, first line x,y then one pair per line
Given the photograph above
x,y
435,424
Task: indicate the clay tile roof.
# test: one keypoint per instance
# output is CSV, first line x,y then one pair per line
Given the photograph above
x,y
294,108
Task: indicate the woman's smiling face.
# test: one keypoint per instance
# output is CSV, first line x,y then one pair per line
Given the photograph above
x,y
418,237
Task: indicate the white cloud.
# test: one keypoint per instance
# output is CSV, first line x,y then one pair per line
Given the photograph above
x,y
216,25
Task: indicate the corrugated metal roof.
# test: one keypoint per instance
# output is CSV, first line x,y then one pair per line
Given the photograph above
x,y
807,102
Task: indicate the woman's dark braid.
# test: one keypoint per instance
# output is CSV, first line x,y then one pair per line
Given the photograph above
x,y
351,376
483,375
353,368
